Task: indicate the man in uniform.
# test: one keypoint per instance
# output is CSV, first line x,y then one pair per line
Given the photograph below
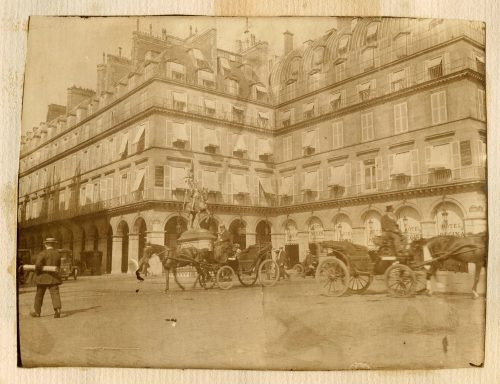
x,y
390,229
47,280
226,242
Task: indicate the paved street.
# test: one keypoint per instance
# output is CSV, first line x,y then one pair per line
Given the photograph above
x,y
117,321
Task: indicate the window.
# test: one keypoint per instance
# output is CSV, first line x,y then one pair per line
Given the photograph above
x,y
309,142
233,87
237,113
140,138
287,148
481,101
439,157
260,93
290,90
370,175
180,101
159,176
211,141
293,73
209,107
317,58
224,66
480,66
367,132
177,71
400,118
342,48
286,119
465,153
438,107
366,90
62,199
263,119
340,71
401,45
368,59
336,101
435,68
309,110
124,184
371,33
206,79
398,80
337,134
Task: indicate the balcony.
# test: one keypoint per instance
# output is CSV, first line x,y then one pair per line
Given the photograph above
x,y
449,177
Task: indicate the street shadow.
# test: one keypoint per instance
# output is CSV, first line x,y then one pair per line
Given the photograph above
x,y
65,314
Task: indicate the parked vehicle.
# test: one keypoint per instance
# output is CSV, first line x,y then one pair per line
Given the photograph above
x,y
68,266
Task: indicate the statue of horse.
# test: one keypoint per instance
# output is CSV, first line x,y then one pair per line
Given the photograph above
x,y
171,259
468,249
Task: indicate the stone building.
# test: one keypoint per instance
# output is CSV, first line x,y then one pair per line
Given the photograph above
x,y
295,149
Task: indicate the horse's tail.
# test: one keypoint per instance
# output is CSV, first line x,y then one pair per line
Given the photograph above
x,y
138,275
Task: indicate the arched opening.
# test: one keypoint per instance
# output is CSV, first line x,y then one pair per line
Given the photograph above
x,y
342,228
263,233
372,227
449,219
239,233
409,223
123,231
140,228
94,235
316,234
109,248
82,241
210,224
174,227
291,242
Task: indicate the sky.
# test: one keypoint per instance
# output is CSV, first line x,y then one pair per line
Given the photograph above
x,y
64,51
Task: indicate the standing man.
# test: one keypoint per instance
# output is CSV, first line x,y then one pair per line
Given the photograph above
x,y
390,229
48,280
282,260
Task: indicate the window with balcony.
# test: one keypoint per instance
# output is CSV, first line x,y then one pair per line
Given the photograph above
x,y
287,148
238,114
337,181
481,104
159,176
311,185
178,181
337,134
209,107
400,169
309,142
286,118
138,186
370,175
210,181
336,101
178,134
340,71
211,141
124,184
240,146
261,93
206,79
367,131
438,107
398,80
400,118
366,91
435,68
267,192
439,162
180,101
123,150
309,110
264,149
263,119
232,87
140,138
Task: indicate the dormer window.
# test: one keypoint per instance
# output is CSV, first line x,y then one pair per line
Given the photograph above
x,y
177,71
206,79
317,59
224,67
200,58
232,86
372,33
401,45
293,72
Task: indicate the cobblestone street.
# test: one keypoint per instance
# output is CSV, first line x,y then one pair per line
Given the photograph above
x,y
114,320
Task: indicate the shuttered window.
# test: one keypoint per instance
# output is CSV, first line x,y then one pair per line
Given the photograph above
x,y
400,118
159,176
438,107
367,132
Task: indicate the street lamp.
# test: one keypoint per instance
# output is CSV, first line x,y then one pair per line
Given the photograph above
x,y
405,223
444,214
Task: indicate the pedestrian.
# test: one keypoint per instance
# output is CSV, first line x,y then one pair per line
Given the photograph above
x,y
47,280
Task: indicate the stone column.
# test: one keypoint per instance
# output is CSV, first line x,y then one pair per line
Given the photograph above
x,y
116,255
77,246
133,246
89,243
303,241
157,235
428,229
103,248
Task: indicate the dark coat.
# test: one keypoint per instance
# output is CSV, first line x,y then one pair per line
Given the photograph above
x,y
48,257
389,223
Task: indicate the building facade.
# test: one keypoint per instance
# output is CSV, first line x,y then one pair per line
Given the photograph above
x,y
296,149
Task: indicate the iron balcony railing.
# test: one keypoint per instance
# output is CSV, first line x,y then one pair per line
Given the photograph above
x,y
159,194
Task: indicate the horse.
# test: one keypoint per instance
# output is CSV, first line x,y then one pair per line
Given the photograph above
x,y
468,249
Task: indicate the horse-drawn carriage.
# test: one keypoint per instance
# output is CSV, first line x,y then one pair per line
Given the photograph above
x,y
345,266
217,263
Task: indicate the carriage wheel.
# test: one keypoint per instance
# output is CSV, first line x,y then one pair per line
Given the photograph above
x,y
299,268
207,278
359,281
400,280
247,277
269,273
225,277
333,277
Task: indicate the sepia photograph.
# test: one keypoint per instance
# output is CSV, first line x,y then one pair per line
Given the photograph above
x,y
257,193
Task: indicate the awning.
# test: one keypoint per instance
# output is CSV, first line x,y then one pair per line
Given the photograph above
x,y
401,164
210,181
240,145
123,144
179,131
286,187
309,139
224,63
337,176
267,185
139,178
372,29
399,75
264,115
175,67
434,62
139,134
209,104
238,108
240,184
204,75
308,107
211,139
311,181
364,86
198,55
180,97
177,178
440,157
265,147
260,88
334,97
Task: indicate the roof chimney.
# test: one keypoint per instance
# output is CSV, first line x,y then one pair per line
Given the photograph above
x,y
288,42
